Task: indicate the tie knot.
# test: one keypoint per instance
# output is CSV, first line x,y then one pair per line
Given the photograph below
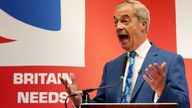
x,y
132,54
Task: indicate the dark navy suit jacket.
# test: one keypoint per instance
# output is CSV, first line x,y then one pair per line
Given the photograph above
x,y
175,91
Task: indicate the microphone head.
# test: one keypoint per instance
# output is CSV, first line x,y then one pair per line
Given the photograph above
x,y
122,77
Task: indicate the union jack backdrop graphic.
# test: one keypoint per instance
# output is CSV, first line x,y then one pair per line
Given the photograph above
x,y
42,32
42,40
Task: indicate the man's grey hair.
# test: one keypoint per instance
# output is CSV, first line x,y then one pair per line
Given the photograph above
x,y
140,10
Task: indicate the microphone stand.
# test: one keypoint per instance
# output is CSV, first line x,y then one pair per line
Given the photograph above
x,y
86,98
86,92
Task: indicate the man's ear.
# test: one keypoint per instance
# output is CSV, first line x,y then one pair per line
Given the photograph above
x,y
143,26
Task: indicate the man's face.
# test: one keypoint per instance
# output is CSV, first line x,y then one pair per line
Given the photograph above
x,y
128,28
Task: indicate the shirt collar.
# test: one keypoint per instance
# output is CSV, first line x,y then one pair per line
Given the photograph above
x,y
143,49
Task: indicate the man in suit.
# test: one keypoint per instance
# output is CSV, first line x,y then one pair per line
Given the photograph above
x,y
150,75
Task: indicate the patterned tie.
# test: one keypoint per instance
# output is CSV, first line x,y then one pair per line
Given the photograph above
x,y
125,98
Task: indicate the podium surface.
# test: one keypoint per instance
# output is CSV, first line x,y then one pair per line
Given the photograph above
x,y
129,105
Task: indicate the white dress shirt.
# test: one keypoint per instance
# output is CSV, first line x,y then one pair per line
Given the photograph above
x,y
139,58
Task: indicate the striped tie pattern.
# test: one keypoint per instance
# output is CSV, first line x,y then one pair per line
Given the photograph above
x,y
125,98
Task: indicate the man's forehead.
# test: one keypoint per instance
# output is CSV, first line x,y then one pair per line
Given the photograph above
x,y
122,16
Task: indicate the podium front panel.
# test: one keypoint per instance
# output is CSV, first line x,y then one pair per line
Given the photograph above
x,y
129,105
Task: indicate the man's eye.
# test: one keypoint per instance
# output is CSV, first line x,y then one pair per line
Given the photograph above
x,y
115,22
125,22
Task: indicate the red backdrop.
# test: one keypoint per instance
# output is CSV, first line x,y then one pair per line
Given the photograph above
x,y
101,45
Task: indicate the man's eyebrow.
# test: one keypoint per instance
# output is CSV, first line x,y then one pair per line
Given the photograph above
x,y
123,16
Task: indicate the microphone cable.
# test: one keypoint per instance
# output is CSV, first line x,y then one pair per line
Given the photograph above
x,y
93,89
103,87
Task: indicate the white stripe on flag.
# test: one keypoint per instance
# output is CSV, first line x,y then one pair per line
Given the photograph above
x,y
183,27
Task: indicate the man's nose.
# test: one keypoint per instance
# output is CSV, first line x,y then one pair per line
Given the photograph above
x,y
119,26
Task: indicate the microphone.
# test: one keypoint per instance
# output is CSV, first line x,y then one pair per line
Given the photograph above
x,y
124,66
85,91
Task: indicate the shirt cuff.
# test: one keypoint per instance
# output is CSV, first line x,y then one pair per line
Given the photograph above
x,y
156,97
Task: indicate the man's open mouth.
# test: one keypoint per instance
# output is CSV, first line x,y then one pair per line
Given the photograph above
x,y
123,37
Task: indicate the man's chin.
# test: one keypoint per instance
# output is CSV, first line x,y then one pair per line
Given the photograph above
x,y
125,47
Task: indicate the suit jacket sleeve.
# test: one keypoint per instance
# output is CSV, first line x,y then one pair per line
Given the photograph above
x,y
176,89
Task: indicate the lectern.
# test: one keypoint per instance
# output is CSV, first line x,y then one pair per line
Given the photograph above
x,y
129,105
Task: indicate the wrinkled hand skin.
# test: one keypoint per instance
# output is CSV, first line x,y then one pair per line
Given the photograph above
x,y
71,88
156,77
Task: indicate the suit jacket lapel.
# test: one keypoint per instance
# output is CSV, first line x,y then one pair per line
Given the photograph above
x,y
119,88
150,58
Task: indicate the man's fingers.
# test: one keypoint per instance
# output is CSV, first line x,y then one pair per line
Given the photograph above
x,y
158,69
64,82
73,78
147,80
149,73
152,68
163,65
